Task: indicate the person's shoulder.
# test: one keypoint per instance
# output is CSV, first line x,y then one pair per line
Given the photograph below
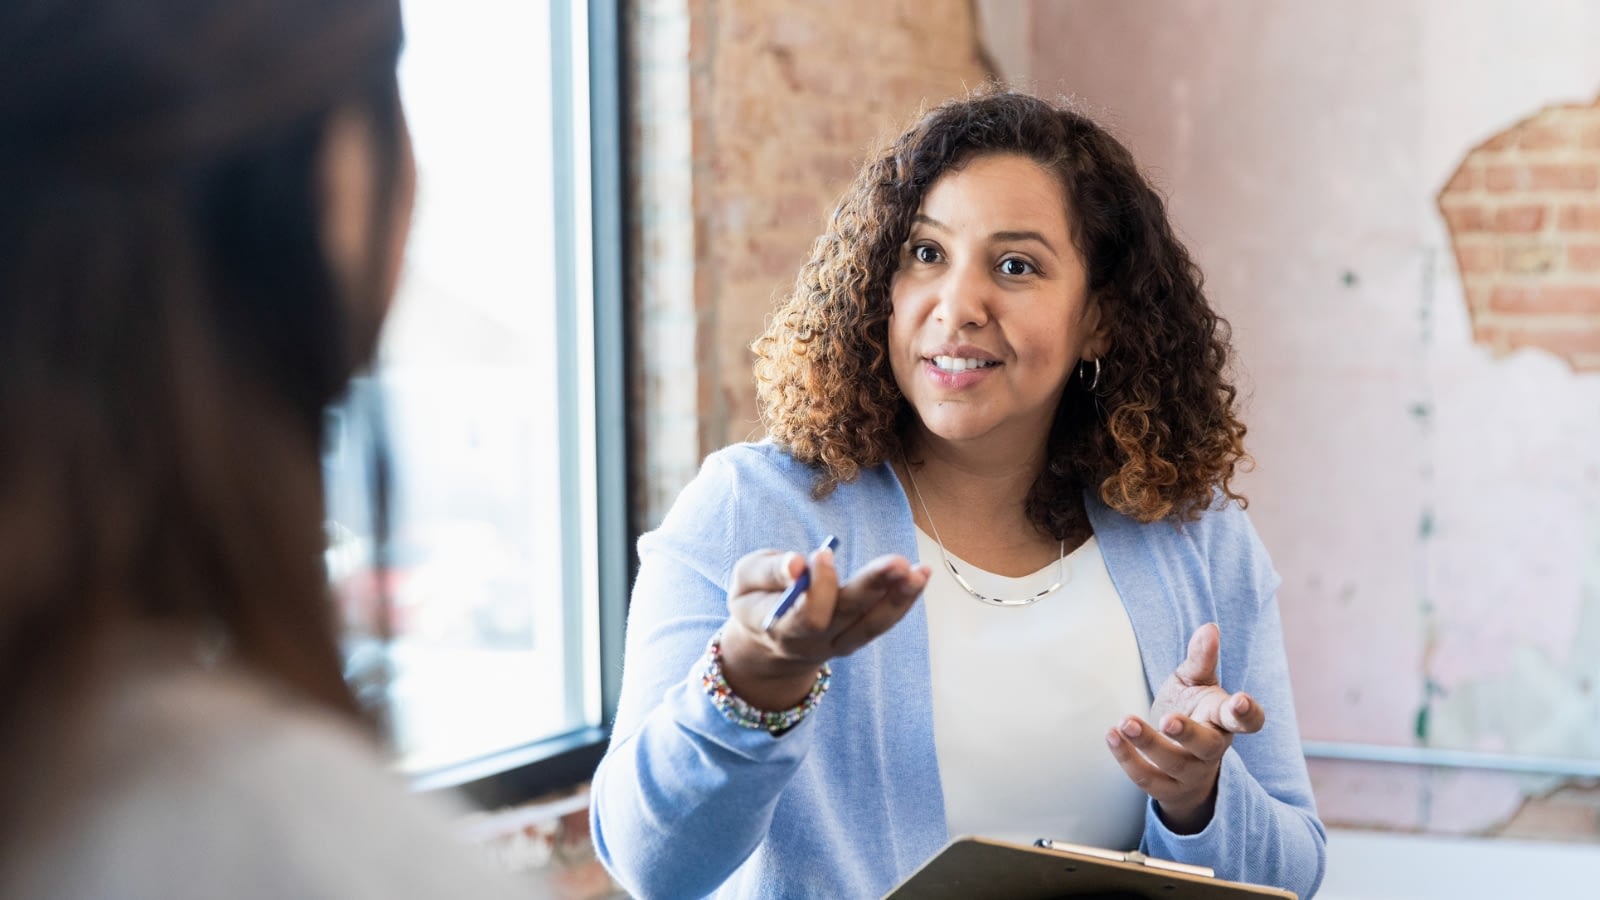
x,y
733,477
1224,525
229,783
204,737
1224,536
765,472
1222,518
762,461
200,716
1220,525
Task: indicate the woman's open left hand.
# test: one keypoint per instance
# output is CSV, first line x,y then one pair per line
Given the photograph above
x,y
1177,762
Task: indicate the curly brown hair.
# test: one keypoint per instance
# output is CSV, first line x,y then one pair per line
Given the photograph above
x,y
1160,437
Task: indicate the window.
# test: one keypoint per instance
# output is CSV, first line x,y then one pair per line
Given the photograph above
x,y
494,416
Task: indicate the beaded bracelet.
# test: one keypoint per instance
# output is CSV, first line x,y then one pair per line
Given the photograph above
x,y
736,710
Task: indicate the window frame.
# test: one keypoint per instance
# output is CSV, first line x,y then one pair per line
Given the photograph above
x,y
595,587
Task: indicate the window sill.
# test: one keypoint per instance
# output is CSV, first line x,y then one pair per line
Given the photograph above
x,y
522,773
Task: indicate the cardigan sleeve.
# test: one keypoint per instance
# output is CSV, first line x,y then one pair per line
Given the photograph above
x,y
1265,828
683,796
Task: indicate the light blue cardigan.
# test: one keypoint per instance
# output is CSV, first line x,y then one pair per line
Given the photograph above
x,y
686,804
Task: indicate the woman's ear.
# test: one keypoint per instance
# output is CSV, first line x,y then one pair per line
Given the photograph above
x,y
1097,339
347,173
349,180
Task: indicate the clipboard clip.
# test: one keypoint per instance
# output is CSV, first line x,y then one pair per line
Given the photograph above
x,y
1129,856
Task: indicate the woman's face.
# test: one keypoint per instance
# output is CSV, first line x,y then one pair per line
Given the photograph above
x,y
990,305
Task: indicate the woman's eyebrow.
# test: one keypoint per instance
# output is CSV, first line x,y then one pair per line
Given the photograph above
x,y
931,222
1023,236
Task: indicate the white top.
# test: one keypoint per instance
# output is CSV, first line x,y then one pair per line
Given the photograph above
x,y
1023,697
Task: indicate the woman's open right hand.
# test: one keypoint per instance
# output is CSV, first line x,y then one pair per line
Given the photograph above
x,y
775,669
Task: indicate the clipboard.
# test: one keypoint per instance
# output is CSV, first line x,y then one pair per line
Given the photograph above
x,y
980,867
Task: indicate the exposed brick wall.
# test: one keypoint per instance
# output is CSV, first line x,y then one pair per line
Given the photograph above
x,y
668,300
1523,212
801,92
751,117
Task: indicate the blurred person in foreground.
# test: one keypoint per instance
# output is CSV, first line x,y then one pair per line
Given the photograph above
x,y
203,206
999,383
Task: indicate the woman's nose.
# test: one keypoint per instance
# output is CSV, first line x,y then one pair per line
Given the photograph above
x,y
964,296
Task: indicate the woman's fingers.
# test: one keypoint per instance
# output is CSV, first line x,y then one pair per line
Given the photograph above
x,y
815,609
1192,690
758,583
1177,766
762,581
1183,748
870,584
1145,775
874,601
1241,714
764,571
1199,666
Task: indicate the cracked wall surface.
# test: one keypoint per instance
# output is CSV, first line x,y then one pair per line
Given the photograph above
x,y
1427,434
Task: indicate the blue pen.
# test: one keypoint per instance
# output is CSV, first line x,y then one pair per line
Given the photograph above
x,y
796,589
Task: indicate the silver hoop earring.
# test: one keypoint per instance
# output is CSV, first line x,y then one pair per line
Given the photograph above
x,y
1094,380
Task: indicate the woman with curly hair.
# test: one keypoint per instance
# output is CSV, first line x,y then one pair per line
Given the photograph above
x,y
999,361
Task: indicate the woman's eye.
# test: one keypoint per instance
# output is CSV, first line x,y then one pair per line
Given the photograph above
x,y
1014,266
925,254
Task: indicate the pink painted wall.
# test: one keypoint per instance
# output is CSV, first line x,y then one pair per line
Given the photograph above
x,y
1434,508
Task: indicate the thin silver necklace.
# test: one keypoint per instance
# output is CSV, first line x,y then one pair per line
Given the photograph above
x,y
1061,561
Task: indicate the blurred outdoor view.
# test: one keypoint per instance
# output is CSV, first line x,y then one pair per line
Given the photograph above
x,y
467,381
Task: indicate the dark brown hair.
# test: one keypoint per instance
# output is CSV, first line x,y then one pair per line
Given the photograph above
x,y
171,332
1157,437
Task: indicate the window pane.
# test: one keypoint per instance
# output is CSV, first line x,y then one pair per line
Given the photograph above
x,y
469,383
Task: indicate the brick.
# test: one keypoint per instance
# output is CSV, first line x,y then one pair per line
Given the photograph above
x,y
1546,300
1544,136
1487,334
795,210
817,77
1478,258
831,168
1505,140
1564,177
1503,178
1522,258
1462,219
1477,299
1466,179
702,38
830,127
1520,219
795,29
1565,340
1583,257
1580,217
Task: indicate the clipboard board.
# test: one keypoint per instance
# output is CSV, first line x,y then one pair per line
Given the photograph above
x,y
980,867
